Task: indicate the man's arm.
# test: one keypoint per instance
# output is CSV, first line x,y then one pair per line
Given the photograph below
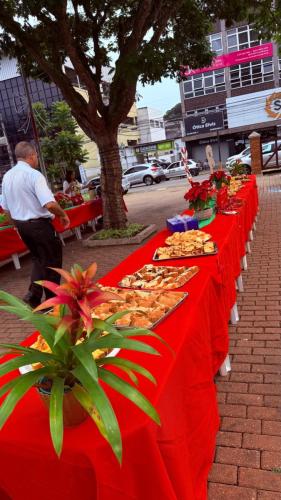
x,y
56,209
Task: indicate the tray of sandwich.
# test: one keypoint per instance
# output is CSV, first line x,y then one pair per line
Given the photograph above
x,y
185,250
151,277
145,308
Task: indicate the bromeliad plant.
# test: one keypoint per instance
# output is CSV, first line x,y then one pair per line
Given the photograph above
x,y
72,335
220,178
200,195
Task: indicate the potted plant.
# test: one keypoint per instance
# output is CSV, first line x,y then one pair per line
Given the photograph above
x,y
66,371
220,178
200,198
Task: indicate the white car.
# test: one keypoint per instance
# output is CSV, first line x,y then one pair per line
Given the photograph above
x,y
234,158
268,157
177,169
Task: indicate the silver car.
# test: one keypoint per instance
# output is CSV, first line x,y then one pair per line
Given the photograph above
x,y
144,173
177,169
268,157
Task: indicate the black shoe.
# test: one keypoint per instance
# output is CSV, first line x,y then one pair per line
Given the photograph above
x,y
32,301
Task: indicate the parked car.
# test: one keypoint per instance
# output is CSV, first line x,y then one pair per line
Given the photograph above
x,y
96,183
269,159
161,163
177,169
234,158
144,172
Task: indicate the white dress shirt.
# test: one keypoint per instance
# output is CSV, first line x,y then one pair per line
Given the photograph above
x,y
25,193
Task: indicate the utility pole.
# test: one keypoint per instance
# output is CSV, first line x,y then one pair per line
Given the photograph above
x,y
33,123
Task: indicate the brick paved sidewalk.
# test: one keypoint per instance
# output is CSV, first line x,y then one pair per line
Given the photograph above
x,y
248,456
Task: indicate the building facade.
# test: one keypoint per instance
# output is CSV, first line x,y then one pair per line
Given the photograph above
x,y
239,93
150,125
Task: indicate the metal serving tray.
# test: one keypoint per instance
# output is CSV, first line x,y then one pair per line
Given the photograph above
x,y
156,259
159,288
153,325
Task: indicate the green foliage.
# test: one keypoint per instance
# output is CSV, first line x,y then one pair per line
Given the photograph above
x,y
174,112
237,169
127,232
61,145
69,365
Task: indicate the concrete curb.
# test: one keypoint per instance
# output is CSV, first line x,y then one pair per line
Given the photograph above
x,y
147,231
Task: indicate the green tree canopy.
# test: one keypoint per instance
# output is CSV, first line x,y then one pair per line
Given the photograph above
x,y
61,145
174,112
142,40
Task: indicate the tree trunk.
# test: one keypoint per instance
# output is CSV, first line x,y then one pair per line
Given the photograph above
x,y
114,215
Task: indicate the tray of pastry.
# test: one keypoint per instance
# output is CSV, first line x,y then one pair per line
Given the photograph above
x,y
185,250
192,236
145,308
151,277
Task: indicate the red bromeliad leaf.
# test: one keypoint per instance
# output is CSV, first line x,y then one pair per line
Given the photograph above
x,y
96,298
48,284
77,273
67,276
91,271
59,300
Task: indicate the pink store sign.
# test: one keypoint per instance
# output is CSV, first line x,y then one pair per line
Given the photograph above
x,y
237,57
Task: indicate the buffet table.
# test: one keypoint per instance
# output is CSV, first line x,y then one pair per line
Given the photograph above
x,y
170,462
11,244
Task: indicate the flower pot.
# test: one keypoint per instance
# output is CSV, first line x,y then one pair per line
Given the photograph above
x,y
73,412
204,214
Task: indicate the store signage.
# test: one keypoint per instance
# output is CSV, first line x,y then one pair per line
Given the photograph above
x,y
199,124
161,146
257,107
164,146
237,57
146,149
273,105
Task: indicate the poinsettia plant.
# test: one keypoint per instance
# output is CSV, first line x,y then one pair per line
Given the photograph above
x,y
72,336
220,178
200,195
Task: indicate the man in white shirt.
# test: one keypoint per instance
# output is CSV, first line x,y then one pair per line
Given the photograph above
x,y
30,204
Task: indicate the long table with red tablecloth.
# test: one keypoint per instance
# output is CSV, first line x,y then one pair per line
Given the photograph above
x,y
11,243
170,462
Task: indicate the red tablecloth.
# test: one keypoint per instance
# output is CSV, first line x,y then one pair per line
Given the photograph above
x,y
170,462
81,214
10,242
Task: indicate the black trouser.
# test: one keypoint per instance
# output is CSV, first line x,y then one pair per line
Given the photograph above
x,y
46,251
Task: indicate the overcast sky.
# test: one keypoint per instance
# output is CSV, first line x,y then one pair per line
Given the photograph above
x,y
162,96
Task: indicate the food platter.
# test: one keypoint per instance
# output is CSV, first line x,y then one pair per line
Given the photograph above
x,y
146,308
192,236
151,277
174,253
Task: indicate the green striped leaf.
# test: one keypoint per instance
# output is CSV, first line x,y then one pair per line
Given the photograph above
x,y
20,387
85,400
111,341
26,359
104,409
86,359
130,393
125,363
56,413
